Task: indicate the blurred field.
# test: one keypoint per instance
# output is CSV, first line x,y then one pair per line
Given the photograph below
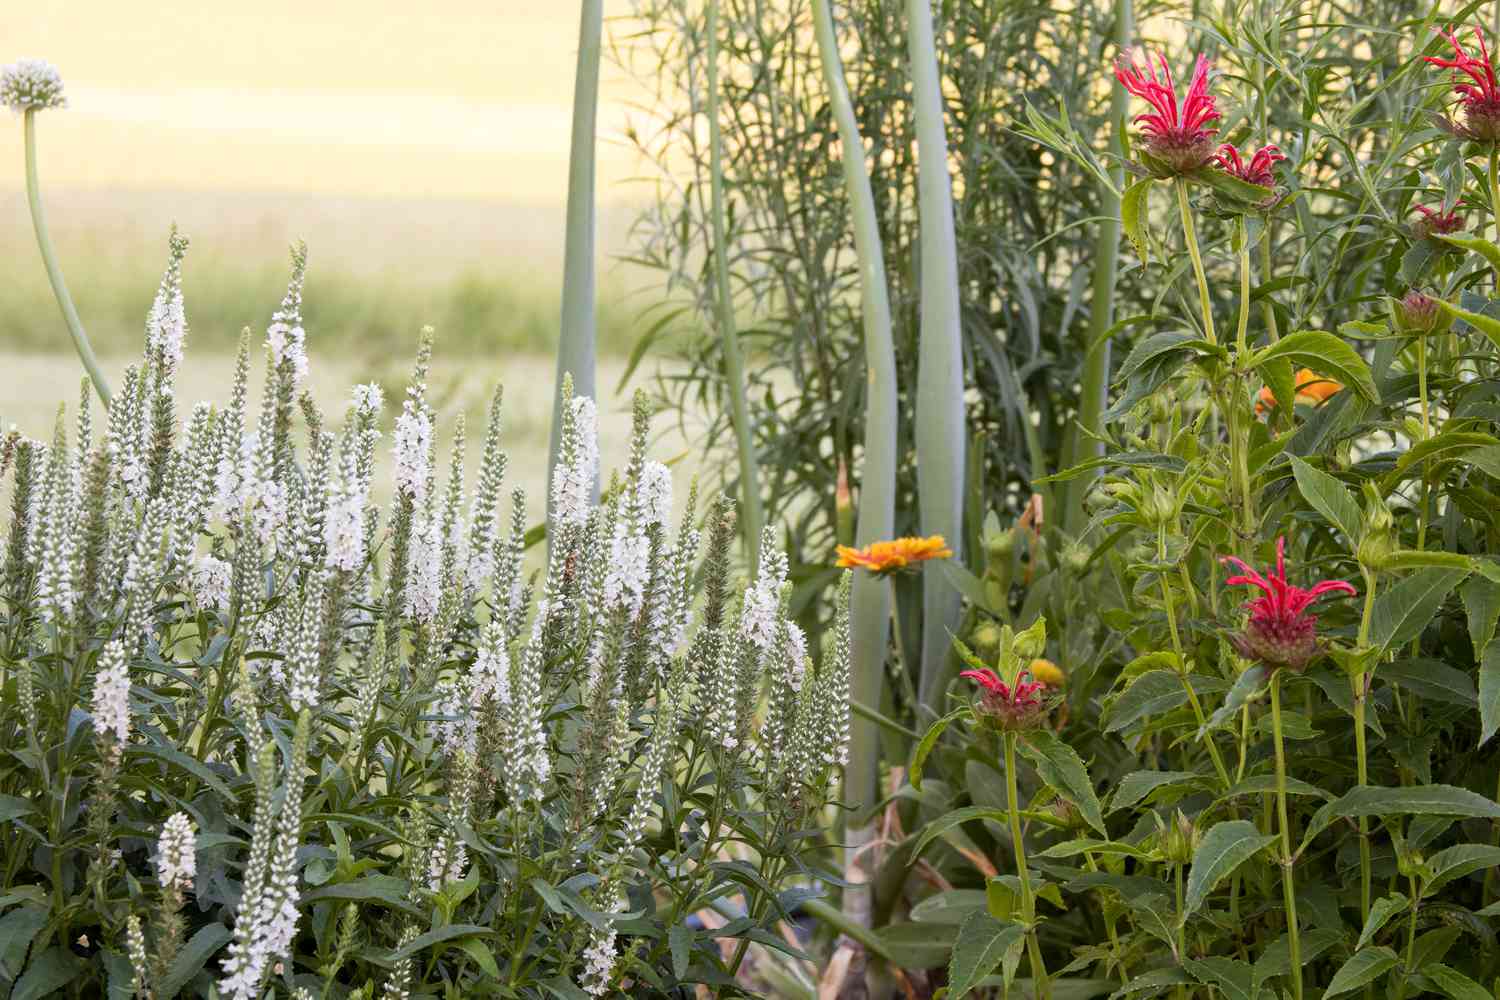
x,y
486,274
37,383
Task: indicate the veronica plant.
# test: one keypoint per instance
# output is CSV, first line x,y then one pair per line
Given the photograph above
x,y
334,748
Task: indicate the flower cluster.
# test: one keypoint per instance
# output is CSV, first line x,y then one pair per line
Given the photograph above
x,y
31,85
1474,83
1175,136
1009,706
235,566
1280,632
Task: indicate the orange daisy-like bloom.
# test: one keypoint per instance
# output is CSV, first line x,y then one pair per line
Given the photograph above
x,y
882,558
1311,388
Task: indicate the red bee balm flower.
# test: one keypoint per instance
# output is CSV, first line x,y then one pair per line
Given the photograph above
x,y
1174,134
1479,96
1256,171
1440,221
1020,707
1280,632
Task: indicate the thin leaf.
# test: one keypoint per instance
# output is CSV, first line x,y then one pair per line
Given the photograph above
x,y
982,943
1224,848
1364,966
1063,770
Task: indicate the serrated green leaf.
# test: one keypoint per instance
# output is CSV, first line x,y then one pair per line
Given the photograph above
x,y
928,741
1489,692
1403,611
1433,680
1381,911
1436,800
1486,325
981,944
1457,861
1064,772
46,974
1152,693
1483,247
1133,216
1240,692
1330,498
937,827
1326,354
1224,848
194,955
1481,597
680,942
1235,980
1364,966
1455,984
1137,785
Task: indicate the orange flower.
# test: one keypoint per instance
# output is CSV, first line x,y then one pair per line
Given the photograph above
x,y
1312,388
882,558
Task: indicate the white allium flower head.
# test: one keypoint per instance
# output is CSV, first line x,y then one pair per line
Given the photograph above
x,y
210,582
111,706
31,85
177,853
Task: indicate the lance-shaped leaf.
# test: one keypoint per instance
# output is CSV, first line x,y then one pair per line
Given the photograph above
x,y
1223,848
982,943
1327,354
1064,772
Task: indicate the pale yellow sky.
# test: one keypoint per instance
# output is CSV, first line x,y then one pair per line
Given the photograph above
x,y
438,99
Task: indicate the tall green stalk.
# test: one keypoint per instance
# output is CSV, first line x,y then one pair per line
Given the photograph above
x,y
1289,892
939,418
1083,443
1040,987
54,272
577,337
752,514
870,598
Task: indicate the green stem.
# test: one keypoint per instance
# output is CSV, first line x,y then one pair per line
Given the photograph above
x,y
1288,891
1495,188
753,514
1191,236
1361,686
54,272
1028,902
1182,672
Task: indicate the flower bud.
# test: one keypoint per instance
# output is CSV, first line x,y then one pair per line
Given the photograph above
x,y
1181,839
1000,545
986,640
1377,541
1075,559
1418,313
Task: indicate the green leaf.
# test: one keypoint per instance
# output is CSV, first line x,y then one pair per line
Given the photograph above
x,y
1455,984
1330,498
1381,911
1133,215
1276,960
1152,349
438,936
192,766
482,955
1224,848
1489,692
17,928
1448,443
1481,597
1436,800
917,946
982,943
194,955
952,906
1433,680
919,755
1403,611
1487,325
1484,248
1064,772
1364,966
1457,861
680,940
1240,692
1326,354
393,892
1137,785
47,973
1072,848
1152,693
937,827
1234,980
